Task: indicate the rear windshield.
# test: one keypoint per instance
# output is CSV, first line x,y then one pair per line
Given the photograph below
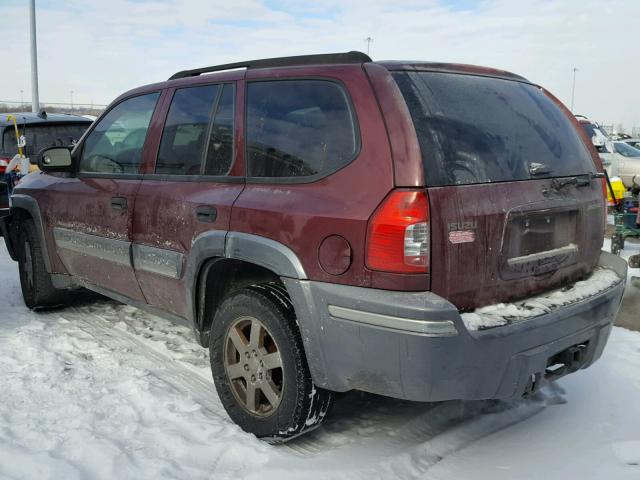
x,y
42,136
476,129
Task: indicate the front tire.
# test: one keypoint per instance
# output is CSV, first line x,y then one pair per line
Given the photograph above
x,y
259,365
35,282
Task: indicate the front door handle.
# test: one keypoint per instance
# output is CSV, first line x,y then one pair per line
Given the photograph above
x,y
119,203
206,214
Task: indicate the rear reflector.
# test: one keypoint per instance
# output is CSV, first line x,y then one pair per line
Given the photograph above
x,y
398,233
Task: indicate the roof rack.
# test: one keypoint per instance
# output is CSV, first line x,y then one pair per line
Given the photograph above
x,y
322,59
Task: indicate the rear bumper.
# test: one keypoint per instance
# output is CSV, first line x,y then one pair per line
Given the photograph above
x,y
415,346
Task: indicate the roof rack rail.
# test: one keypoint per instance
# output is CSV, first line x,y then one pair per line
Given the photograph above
x,y
321,59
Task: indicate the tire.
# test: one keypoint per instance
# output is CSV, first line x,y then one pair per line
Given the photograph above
x,y
35,282
285,402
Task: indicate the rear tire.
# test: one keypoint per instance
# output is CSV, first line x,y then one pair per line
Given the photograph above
x,y
37,289
259,365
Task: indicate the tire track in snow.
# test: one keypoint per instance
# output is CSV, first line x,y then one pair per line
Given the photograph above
x,y
172,372
408,449
426,433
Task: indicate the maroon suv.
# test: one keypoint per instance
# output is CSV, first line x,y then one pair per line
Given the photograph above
x,y
329,223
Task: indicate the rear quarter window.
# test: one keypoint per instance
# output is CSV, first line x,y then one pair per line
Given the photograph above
x,y
474,129
299,128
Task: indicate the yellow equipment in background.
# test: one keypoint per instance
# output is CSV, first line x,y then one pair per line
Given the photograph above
x,y
618,190
20,141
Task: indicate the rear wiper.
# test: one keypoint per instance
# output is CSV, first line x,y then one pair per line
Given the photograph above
x,y
558,183
538,169
580,181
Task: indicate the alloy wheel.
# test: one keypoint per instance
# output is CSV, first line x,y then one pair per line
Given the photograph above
x,y
253,366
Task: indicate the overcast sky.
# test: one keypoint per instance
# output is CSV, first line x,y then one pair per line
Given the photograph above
x,y
100,48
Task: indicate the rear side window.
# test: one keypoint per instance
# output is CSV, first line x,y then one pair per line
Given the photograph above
x,y
185,131
298,128
474,129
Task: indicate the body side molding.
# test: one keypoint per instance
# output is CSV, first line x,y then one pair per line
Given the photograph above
x,y
160,261
115,251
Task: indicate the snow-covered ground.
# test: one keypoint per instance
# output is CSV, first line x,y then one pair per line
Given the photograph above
x,y
102,391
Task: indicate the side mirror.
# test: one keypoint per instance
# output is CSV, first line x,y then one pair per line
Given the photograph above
x,y
55,159
597,141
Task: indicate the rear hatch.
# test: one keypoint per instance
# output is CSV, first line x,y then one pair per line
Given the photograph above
x,y
514,206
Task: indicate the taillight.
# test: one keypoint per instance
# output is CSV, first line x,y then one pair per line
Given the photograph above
x,y
605,190
398,233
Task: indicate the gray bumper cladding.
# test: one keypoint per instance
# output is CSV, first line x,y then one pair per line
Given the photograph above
x,y
432,328
415,346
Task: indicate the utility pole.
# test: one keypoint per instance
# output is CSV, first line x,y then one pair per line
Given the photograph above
x,y
35,99
21,99
573,88
368,40
71,95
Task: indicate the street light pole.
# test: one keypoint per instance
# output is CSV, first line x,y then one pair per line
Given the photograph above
x,y
368,40
35,99
573,88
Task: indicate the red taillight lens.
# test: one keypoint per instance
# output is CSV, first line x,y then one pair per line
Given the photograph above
x,y
605,191
398,233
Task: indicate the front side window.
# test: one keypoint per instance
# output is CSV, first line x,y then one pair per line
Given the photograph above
x,y
298,128
115,144
185,131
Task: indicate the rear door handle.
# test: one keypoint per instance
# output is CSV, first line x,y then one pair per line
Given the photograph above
x,y
206,214
119,203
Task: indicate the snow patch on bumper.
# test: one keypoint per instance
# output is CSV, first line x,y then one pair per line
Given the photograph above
x,y
506,313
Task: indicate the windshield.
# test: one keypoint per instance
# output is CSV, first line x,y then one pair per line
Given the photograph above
x,y
594,131
474,129
626,150
43,135
598,137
